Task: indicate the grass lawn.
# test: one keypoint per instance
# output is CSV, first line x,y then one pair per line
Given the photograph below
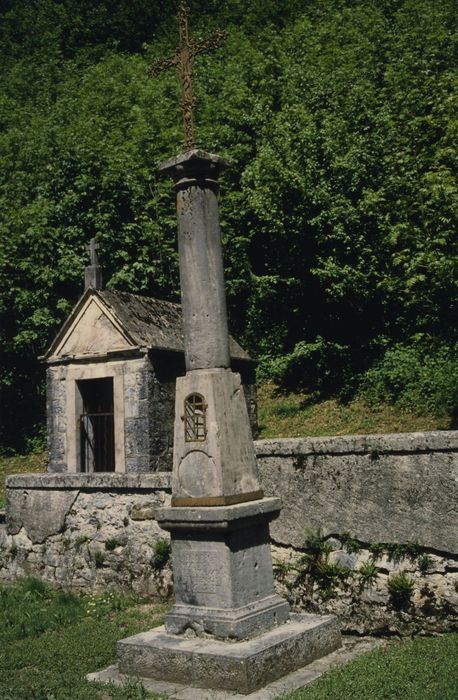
x,y
414,669
49,641
290,415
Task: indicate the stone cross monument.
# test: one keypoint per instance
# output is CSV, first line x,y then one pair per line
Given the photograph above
x,y
93,272
228,628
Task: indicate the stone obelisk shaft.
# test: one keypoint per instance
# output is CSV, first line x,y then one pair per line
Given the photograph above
x,y
203,299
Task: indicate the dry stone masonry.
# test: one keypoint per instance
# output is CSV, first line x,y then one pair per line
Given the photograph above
x,y
87,532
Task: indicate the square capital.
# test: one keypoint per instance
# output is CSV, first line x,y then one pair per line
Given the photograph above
x,y
194,163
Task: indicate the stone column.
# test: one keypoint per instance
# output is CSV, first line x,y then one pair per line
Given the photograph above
x,y
226,628
203,299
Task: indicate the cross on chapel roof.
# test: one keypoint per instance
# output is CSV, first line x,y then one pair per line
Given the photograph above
x,y
93,247
93,272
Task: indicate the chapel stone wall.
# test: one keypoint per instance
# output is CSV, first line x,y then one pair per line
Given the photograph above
x,y
56,411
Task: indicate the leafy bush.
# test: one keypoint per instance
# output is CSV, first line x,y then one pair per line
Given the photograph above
x,y
315,367
161,554
338,212
414,378
400,587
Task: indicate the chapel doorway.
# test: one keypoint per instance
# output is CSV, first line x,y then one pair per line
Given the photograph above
x,y
96,425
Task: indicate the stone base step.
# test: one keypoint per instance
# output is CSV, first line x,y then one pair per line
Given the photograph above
x,y
236,666
351,648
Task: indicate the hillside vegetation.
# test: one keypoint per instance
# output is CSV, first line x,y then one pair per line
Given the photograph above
x,y
338,212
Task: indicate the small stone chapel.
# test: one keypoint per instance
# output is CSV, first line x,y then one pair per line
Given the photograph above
x,y
111,373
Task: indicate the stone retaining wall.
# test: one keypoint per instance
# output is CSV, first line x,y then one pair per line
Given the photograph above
x,y
382,513
380,488
84,531
350,493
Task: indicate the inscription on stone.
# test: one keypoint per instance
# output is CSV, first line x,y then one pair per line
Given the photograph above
x,y
200,571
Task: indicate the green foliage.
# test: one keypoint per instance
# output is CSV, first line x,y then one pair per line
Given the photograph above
x,y
99,605
55,639
400,587
99,558
30,608
338,213
162,551
297,414
80,540
425,563
368,573
377,550
350,543
112,543
415,378
313,367
314,567
397,551
410,669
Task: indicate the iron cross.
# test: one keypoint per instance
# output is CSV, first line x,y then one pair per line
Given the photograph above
x,y
183,59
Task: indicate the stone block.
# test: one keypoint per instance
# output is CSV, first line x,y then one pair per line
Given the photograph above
x,y
219,465
40,513
380,488
237,666
245,622
143,511
223,569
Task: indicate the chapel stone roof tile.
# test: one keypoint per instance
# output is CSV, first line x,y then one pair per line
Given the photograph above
x,y
151,323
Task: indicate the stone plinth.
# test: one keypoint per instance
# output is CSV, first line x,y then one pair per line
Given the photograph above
x,y
238,666
223,569
218,465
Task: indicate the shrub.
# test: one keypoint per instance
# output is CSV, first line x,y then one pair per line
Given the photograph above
x,y
416,378
400,587
161,554
312,367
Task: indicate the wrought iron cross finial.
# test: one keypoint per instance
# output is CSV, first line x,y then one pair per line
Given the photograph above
x,y
183,59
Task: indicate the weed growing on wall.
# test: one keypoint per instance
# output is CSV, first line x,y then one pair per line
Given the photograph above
x,y
341,575
368,573
161,554
401,587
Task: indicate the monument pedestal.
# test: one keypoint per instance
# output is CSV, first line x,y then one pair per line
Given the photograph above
x,y
228,630
222,569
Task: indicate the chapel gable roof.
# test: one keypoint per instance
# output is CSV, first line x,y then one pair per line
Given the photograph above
x,y
106,321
